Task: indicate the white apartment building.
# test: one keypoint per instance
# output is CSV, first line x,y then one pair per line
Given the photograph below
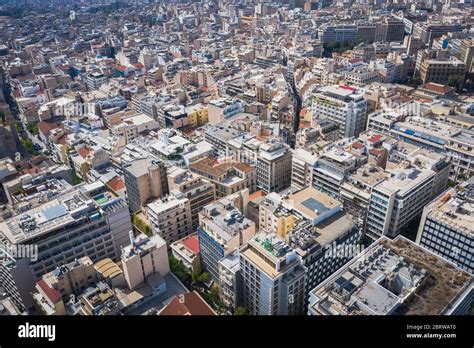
x,y
273,277
302,168
396,201
230,283
273,166
77,224
199,191
222,230
331,168
344,106
361,76
457,143
144,257
447,226
170,217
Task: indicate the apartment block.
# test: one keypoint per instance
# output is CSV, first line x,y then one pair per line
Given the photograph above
x,y
186,250
59,285
388,278
332,167
228,176
415,180
145,257
144,179
170,217
274,166
447,226
75,225
222,230
456,142
302,163
273,277
344,106
199,191
230,282
440,71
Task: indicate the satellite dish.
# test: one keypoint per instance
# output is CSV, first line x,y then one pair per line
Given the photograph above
x,y
17,156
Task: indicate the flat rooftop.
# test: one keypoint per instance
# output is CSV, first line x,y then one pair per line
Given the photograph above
x,y
369,174
455,208
49,216
224,219
312,203
384,278
402,180
270,253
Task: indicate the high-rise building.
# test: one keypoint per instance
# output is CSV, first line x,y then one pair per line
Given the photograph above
x,y
79,223
344,106
144,179
395,202
331,168
447,226
222,230
393,29
199,191
273,166
144,257
394,277
273,277
57,286
427,32
302,168
230,282
338,33
466,51
440,71
325,237
455,142
228,176
170,217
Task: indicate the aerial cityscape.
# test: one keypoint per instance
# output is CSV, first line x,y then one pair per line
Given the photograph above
x,y
236,157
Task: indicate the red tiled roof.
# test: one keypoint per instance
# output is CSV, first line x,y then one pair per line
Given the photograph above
x,y
256,195
62,140
33,170
192,243
376,152
357,145
348,88
188,304
51,293
121,67
46,127
116,184
437,88
375,138
84,151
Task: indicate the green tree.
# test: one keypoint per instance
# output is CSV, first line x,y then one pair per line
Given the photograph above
x,y
455,81
178,269
29,146
75,179
415,81
199,278
33,128
241,311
